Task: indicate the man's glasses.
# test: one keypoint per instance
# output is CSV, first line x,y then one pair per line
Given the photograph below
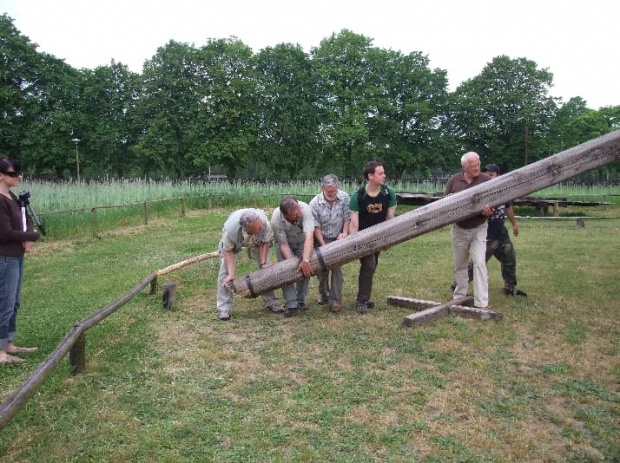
x,y
12,174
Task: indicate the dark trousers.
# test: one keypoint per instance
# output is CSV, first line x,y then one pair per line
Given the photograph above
x,y
504,251
368,265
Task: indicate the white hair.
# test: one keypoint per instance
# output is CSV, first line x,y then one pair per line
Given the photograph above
x,y
247,219
468,156
330,180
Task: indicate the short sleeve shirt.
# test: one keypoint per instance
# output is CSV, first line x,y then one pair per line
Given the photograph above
x,y
331,219
497,230
292,233
234,238
456,184
372,210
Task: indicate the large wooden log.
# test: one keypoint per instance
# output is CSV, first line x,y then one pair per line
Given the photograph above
x,y
516,184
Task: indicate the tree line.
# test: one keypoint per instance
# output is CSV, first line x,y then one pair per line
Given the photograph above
x,y
278,114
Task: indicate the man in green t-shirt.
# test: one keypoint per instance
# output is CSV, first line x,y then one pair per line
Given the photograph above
x,y
372,204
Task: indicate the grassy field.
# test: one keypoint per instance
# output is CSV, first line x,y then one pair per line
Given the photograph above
x,y
540,385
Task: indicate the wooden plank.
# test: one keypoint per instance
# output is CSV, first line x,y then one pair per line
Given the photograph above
x,y
421,304
454,307
433,313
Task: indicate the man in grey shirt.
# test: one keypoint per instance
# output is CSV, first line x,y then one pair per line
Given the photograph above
x,y
331,222
244,228
293,229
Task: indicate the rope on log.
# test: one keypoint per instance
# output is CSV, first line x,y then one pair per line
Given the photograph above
x,y
185,263
459,206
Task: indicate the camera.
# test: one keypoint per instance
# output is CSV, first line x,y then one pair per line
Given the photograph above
x,y
24,198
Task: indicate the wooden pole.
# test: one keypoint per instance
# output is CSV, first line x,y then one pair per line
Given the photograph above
x,y
145,206
182,208
185,263
153,289
459,206
93,221
77,355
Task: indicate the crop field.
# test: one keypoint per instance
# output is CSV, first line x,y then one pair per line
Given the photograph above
x,y
65,209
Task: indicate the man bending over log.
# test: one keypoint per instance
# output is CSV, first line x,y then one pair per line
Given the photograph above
x,y
293,228
244,228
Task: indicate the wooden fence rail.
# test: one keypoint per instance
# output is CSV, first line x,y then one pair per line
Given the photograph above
x,y
74,342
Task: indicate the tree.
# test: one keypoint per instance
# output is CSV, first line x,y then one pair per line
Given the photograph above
x,y
224,129
168,106
109,102
405,122
287,108
345,88
505,112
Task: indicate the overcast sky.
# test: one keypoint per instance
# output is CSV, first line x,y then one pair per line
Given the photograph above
x,y
578,41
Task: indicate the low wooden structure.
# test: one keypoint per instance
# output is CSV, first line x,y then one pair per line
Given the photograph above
x,y
516,184
543,204
431,310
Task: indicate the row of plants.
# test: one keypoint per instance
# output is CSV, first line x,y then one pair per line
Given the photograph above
x,y
65,208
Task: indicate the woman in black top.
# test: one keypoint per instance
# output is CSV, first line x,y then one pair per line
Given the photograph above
x,y
16,237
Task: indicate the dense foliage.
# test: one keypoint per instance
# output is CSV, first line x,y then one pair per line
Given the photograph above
x,y
277,114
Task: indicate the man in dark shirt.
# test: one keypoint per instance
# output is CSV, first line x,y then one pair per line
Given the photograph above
x,y
469,235
498,240
372,204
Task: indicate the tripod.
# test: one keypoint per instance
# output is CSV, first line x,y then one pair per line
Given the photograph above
x,y
24,200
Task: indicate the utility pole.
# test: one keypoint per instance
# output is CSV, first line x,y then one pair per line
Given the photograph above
x,y
77,158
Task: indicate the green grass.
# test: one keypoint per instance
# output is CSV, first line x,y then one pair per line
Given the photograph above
x,y
539,385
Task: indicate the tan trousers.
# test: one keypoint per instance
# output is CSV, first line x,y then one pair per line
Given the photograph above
x,y
466,243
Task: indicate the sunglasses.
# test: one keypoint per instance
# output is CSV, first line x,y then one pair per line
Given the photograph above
x,y
12,174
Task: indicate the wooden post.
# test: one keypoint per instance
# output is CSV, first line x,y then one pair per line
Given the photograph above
x,y
182,208
77,355
93,221
556,209
209,201
153,289
169,295
146,213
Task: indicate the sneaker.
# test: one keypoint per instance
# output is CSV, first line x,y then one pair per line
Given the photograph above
x,y
362,307
513,291
290,312
322,302
302,306
276,308
370,304
336,308
225,317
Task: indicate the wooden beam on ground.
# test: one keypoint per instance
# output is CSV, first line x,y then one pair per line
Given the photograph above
x,y
431,310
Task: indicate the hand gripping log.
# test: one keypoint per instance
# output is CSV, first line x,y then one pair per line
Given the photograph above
x,y
516,184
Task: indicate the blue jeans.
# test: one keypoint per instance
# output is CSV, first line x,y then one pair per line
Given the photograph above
x,y
11,269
